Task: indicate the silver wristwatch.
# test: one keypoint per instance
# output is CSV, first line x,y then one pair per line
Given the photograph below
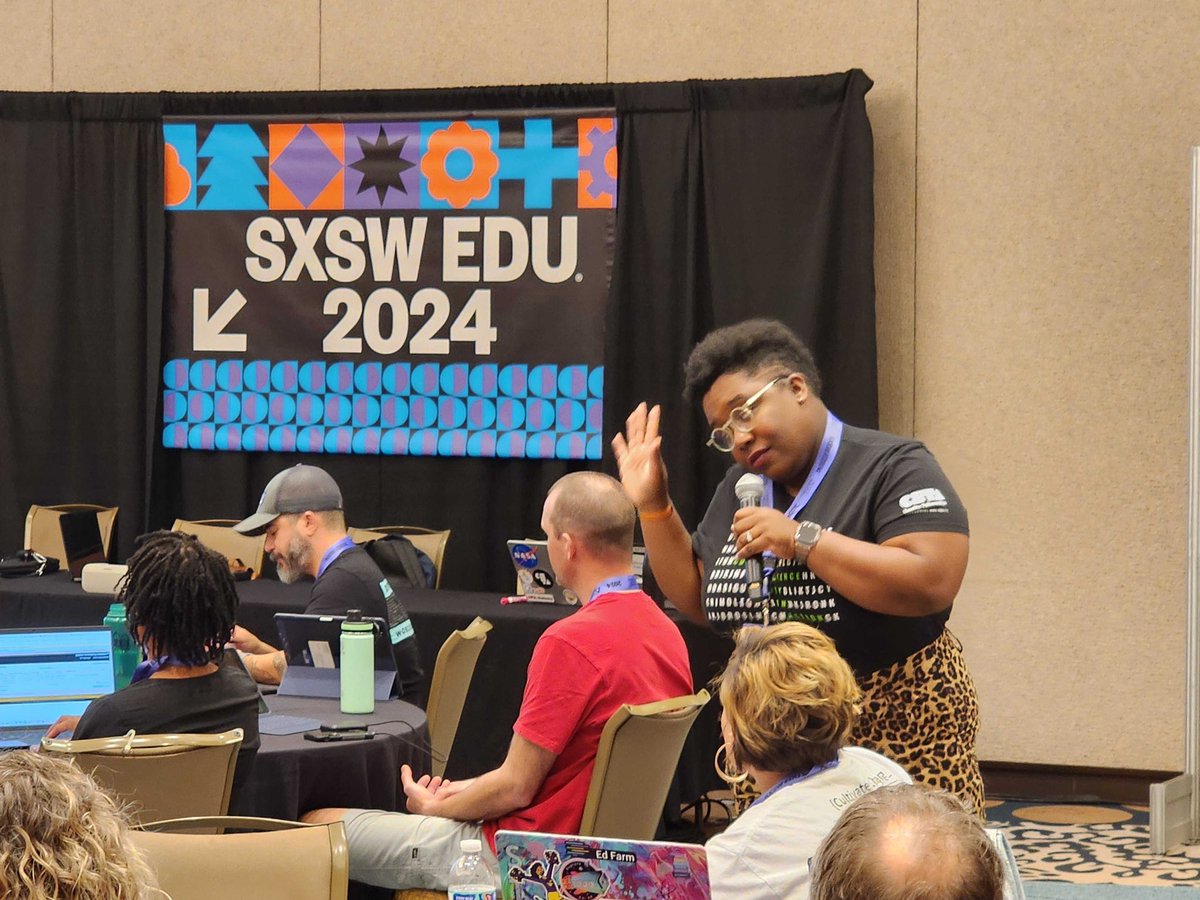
x,y
806,537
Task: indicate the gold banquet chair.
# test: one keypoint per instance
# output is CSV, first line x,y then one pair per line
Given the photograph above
x,y
161,776
218,534
268,858
43,535
449,685
636,760
430,542
639,751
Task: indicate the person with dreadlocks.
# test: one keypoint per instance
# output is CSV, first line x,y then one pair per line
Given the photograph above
x,y
180,604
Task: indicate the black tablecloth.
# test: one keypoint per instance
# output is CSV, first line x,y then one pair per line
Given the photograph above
x,y
495,696
292,776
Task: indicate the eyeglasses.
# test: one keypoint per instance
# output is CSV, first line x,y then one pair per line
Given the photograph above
x,y
741,419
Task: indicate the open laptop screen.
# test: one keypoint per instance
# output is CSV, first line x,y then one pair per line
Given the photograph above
x,y
51,672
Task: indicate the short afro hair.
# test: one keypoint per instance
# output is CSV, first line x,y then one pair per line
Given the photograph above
x,y
749,346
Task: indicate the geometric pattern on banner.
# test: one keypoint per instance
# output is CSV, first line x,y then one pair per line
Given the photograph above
x,y
597,163
422,409
451,164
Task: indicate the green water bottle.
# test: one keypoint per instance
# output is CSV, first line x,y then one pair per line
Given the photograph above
x,y
126,654
358,664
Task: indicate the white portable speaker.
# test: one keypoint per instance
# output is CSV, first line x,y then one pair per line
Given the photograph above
x,y
102,578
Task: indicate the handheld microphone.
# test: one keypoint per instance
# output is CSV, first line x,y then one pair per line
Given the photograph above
x,y
749,491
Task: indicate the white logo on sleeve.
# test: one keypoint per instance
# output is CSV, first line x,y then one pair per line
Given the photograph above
x,y
924,500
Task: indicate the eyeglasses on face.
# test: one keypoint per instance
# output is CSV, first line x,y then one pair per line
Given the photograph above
x,y
740,419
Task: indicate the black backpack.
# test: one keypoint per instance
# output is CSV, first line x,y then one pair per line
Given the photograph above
x,y
401,561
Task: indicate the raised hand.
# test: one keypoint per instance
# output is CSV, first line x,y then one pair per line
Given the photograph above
x,y
639,459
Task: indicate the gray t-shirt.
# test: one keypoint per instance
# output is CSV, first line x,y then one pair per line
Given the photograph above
x,y
879,487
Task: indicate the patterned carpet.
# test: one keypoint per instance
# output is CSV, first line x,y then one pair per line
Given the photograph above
x,y
1089,844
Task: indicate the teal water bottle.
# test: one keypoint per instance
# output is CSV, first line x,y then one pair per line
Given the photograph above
x,y
358,664
126,654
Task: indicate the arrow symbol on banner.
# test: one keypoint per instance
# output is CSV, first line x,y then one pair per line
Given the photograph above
x,y
208,332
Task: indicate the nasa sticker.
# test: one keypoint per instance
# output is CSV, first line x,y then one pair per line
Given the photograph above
x,y
524,556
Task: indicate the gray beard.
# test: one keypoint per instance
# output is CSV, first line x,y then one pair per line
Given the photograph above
x,y
295,561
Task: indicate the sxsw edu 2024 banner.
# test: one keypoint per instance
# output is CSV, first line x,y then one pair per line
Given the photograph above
x,y
396,286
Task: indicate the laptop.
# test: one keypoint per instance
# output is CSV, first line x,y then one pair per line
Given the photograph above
x,y
584,868
81,541
312,646
50,672
536,580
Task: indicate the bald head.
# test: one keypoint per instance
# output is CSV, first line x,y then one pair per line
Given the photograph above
x,y
595,509
907,842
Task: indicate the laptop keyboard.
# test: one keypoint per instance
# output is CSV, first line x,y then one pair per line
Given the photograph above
x,y
17,737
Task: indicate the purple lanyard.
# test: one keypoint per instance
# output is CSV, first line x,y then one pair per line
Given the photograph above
x,y
147,668
831,442
795,778
333,553
620,583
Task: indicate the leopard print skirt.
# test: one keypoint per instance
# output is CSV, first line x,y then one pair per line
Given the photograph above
x,y
922,713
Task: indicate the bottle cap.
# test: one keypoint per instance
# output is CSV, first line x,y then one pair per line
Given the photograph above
x,y
470,845
354,615
116,609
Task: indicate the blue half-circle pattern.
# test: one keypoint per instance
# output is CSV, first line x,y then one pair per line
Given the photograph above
x,y
454,409
312,377
229,375
203,375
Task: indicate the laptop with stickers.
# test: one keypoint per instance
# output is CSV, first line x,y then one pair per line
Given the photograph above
x,y
536,580
585,868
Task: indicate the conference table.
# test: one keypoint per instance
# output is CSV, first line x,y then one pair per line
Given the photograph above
x,y
495,695
292,775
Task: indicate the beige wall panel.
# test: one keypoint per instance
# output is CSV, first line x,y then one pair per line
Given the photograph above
x,y
411,44
675,39
25,45
186,45
1051,347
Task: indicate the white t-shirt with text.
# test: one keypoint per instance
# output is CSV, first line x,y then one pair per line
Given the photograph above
x,y
767,851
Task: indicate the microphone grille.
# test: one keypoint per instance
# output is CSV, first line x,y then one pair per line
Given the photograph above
x,y
749,487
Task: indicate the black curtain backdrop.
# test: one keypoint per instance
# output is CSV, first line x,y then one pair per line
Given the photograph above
x,y
736,199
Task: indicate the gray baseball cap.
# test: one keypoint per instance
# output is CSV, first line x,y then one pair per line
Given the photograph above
x,y
293,490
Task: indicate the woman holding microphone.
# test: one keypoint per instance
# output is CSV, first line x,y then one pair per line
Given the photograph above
x,y
860,535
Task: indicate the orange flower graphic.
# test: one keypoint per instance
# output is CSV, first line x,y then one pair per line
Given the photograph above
x,y
458,192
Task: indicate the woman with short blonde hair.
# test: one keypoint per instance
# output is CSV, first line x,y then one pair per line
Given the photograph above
x,y
62,837
789,703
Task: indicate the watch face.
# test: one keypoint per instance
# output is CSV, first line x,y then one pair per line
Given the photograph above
x,y
807,534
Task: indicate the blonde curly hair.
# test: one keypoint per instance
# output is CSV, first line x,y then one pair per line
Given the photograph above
x,y
789,699
62,837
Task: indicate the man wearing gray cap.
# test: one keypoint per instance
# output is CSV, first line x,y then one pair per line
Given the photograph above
x,y
301,514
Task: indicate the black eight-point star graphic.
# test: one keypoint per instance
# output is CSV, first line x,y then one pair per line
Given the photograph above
x,y
381,165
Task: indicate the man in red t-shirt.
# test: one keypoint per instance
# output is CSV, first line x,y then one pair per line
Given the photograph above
x,y
618,648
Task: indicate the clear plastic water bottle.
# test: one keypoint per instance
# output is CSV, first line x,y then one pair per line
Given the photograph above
x,y
126,654
357,664
471,877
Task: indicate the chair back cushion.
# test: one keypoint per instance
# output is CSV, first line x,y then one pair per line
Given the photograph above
x,y
449,686
639,751
190,775
42,532
233,546
303,862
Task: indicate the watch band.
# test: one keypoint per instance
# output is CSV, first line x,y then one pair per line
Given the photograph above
x,y
806,537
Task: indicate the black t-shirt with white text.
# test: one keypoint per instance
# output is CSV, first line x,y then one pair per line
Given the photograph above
x,y
879,487
354,581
